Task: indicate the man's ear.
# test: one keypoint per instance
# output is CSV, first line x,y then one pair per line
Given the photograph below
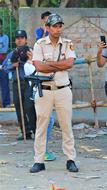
x,y
47,28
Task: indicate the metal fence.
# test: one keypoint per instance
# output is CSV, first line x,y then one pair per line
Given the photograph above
x,y
9,25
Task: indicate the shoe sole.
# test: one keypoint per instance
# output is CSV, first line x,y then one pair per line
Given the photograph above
x,y
36,171
73,171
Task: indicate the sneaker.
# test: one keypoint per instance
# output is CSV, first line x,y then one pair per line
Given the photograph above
x,y
49,156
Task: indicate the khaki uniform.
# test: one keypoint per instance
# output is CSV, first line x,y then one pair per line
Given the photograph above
x,y
61,99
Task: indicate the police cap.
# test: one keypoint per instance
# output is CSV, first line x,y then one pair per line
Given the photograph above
x,y
20,33
54,19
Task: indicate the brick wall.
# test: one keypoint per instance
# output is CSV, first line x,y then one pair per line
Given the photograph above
x,y
84,27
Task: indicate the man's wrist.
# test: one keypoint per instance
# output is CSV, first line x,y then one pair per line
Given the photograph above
x,y
100,52
29,61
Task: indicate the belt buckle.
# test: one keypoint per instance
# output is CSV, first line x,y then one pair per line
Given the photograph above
x,y
53,87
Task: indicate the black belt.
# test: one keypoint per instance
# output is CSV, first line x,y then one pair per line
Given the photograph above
x,y
45,87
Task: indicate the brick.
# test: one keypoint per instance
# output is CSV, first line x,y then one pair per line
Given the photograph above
x,y
87,45
78,40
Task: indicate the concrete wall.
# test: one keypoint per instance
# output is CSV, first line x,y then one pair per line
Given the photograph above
x,y
83,26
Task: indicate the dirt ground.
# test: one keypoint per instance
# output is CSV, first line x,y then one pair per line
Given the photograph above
x,y
17,157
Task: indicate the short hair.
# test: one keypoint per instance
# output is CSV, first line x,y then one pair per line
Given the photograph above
x,y
1,22
43,15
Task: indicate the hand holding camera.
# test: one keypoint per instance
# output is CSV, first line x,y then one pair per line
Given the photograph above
x,y
16,64
103,40
30,55
20,54
102,44
102,50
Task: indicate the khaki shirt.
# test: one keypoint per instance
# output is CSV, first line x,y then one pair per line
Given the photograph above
x,y
45,51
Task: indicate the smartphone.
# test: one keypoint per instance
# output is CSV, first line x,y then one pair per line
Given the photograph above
x,y
103,39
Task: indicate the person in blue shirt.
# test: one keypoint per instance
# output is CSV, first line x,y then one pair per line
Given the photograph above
x,y
4,80
40,33
28,105
102,60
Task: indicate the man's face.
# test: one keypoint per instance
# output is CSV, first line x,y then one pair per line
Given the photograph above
x,y
55,30
20,41
43,21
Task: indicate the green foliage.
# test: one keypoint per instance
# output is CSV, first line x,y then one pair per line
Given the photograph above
x,y
54,3
50,3
93,3
9,24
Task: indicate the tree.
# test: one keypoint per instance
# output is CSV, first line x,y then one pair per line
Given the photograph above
x,y
72,3
15,4
64,3
35,3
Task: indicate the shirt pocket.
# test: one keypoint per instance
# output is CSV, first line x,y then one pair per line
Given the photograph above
x,y
48,56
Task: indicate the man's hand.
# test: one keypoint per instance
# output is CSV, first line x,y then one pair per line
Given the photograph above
x,y
100,59
89,59
101,45
44,30
0,67
16,64
30,55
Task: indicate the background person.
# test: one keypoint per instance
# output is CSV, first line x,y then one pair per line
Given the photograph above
x,y
41,31
102,59
4,80
28,105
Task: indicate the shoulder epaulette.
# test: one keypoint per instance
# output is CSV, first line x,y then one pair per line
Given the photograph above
x,y
67,40
40,41
69,43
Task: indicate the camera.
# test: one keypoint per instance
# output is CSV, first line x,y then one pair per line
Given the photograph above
x,y
20,54
103,39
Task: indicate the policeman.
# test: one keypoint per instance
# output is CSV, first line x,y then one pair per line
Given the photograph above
x,y
28,105
40,33
53,55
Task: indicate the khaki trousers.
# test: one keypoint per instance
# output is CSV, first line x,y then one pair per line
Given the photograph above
x,y
61,99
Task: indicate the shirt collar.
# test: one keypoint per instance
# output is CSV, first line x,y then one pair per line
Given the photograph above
x,y
48,41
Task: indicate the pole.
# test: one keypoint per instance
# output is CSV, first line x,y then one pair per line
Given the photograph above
x,y
92,94
20,102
